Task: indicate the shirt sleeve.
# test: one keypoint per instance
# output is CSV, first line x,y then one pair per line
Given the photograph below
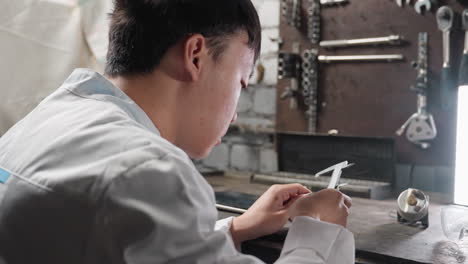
x,y
311,241
162,211
224,224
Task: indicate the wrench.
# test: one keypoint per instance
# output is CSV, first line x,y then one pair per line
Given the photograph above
x,y
421,5
333,2
384,57
463,71
391,40
400,2
444,18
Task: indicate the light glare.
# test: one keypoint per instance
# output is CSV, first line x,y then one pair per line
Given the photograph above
x,y
461,159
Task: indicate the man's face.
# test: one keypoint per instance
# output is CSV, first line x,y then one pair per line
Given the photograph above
x,y
219,88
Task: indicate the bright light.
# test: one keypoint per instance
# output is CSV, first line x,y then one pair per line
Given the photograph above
x,y
461,160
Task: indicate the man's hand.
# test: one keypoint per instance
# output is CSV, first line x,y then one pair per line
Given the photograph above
x,y
282,202
268,214
326,205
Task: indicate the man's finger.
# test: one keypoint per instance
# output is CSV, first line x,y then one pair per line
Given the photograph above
x,y
293,189
290,201
347,201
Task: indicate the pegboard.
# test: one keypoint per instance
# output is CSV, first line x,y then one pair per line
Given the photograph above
x,y
373,99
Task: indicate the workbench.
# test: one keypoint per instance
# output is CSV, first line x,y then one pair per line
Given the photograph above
x,y
379,237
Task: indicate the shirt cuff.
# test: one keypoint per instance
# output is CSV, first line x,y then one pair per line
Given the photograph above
x,y
307,232
224,225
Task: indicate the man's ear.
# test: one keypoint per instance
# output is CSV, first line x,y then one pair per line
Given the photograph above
x,y
195,52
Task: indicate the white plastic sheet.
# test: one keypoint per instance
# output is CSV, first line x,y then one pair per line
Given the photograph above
x,y
41,42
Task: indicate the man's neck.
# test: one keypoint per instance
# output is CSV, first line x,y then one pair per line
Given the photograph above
x,y
157,95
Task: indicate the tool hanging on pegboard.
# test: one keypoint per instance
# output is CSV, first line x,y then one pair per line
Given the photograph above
x,y
424,6
289,68
346,31
343,43
303,69
310,68
445,20
333,2
309,86
463,71
291,11
420,6
313,21
420,127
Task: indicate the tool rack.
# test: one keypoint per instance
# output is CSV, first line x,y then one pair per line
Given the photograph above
x,y
373,99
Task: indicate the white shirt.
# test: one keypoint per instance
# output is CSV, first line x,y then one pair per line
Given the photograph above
x,y
88,172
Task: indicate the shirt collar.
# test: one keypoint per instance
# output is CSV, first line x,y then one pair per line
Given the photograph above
x,y
90,84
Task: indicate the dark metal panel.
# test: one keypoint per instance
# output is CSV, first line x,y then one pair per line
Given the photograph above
x,y
373,99
374,158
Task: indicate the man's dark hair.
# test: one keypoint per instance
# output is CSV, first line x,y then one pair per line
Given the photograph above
x,y
142,31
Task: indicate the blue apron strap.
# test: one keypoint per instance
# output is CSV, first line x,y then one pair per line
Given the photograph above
x,y
4,175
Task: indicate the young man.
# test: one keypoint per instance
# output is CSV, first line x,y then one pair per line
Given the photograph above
x,y
100,171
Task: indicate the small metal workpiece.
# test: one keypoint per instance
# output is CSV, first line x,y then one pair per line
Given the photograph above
x,y
413,207
390,40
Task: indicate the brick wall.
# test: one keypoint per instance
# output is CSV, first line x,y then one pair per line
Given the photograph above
x,y
249,145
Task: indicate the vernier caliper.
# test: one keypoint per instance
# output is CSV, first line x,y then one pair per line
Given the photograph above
x,y
335,178
336,175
